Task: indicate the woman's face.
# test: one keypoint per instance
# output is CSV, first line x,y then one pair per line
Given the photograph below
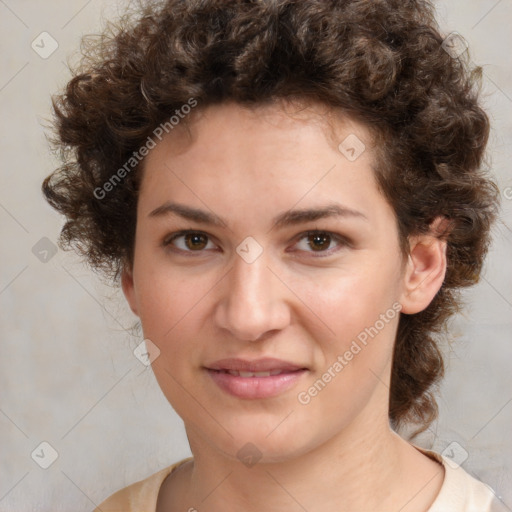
x,y
291,268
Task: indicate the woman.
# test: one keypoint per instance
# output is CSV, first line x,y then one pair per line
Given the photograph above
x,y
290,195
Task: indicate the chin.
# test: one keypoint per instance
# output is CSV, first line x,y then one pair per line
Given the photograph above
x,y
252,445
261,451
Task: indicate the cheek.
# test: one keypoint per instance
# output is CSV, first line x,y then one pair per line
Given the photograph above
x,y
168,301
170,313
354,362
355,338
348,300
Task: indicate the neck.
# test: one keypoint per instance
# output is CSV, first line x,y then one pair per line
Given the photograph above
x,y
348,472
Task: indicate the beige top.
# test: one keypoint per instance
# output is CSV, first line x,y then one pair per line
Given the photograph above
x,y
460,492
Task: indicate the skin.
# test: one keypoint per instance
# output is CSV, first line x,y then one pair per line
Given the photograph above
x,y
247,166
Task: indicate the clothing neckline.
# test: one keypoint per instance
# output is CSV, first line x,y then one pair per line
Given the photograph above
x,y
428,453
457,488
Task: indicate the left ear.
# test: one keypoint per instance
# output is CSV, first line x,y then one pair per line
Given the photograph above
x,y
426,267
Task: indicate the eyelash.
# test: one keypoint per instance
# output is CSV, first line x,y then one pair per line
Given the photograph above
x,y
342,241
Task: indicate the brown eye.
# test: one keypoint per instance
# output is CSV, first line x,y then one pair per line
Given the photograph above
x,y
190,241
319,241
196,241
323,243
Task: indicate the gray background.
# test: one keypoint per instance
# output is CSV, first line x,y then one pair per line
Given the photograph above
x,y
67,372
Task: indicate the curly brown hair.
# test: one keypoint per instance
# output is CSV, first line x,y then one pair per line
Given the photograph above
x,y
382,62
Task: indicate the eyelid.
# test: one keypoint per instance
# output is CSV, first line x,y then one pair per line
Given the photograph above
x,y
170,237
167,241
340,239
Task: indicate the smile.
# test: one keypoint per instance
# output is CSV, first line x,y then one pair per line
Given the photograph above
x,y
251,380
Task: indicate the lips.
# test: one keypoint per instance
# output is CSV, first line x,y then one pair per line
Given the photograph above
x,y
267,364
257,379
253,374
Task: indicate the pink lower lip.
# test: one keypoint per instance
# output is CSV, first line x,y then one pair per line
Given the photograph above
x,y
255,387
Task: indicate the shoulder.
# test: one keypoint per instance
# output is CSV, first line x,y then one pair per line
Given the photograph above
x,y
140,496
460,491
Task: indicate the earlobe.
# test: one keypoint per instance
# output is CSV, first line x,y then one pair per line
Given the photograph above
x,y
129,289
425,269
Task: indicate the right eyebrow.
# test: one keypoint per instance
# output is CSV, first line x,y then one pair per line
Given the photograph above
x,y
189,213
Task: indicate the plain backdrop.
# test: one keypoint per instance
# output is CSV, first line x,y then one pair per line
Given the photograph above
x,y
68,375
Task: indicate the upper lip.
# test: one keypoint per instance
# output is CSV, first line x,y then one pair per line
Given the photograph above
x,y
256,365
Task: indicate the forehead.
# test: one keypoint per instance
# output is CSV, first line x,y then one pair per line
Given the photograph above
x,y
265,121
269,156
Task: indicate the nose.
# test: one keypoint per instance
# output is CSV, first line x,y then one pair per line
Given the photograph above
x,y
253,301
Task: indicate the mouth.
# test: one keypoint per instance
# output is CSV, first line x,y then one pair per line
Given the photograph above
x,y
245,374
257,379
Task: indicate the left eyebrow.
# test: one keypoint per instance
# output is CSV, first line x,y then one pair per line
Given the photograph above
x,y
293,217
287,218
